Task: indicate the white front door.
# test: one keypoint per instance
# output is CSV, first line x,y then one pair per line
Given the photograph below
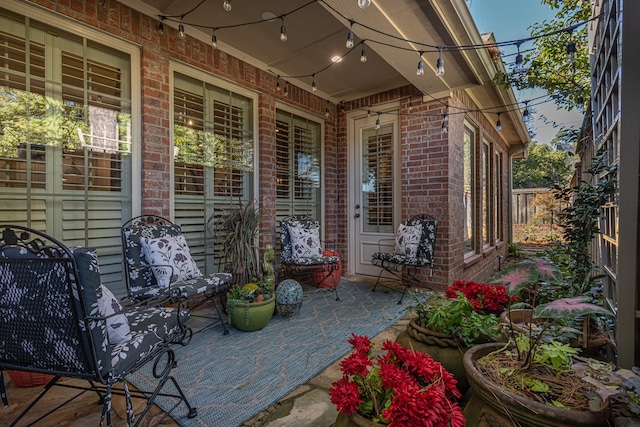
x,y
374,188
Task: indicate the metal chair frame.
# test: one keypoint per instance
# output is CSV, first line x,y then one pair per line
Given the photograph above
x,y
296,267
405,268
142,270
40,277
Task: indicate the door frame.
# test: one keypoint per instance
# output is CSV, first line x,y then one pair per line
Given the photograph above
x,y
389,112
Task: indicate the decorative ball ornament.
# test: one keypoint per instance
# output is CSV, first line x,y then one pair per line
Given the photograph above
x,y
289,297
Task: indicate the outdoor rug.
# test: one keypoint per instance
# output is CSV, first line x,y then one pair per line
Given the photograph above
x,y
230,379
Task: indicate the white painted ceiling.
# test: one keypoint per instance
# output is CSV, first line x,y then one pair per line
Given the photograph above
x,y
317,30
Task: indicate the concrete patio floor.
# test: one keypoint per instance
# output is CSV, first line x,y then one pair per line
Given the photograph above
x,y
308,405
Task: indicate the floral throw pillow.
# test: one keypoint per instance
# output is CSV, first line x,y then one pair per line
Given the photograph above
x,y
408,239
118,329
305,242
163,253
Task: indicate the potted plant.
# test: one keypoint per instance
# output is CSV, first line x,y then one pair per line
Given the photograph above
x,y
250,306
533,380
239,228
400,387
445,328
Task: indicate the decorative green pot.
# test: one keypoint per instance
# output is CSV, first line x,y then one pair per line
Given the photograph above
x,y
253,316
354,420
492,406
442,348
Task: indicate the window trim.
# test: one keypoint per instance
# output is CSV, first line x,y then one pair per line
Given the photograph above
x,y
182,68
468,256
118,43
321,120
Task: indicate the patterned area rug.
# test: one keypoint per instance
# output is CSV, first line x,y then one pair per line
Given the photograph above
x,y
230,379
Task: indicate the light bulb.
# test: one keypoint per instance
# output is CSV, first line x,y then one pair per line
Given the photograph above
x,y
283,33
444,124
314,86
363,56
285,91
161,27
498,124
364,3
214,41
378,122
440,65
525,115
420,70
519,61
181,31
227,5
327,113
349,43
571,51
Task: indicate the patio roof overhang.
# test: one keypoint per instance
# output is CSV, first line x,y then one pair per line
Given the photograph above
x,y
393,33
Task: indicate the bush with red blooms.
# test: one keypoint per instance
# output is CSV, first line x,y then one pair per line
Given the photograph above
x,y
484,297
402,388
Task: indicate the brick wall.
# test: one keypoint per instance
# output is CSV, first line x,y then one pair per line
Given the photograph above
x,y
431,161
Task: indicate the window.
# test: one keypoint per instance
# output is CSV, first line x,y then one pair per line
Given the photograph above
x,y
297,165
486,195
498,197
213,160
469,196
65,146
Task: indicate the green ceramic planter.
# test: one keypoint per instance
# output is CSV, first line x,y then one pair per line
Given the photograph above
x,y
253,316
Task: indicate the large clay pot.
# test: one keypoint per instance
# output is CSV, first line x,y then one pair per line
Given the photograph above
x,y
442,348
354,420
253,316
492,406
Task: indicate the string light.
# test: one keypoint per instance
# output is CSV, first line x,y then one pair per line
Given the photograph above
x,y
571,52
181,31
161,26
444,123
440,63
349,43
314,86
525,114
278,83
327,113
283,31
363,55
227,5
499,124
420,70
378,122
363,4
519,58
214,40
285,91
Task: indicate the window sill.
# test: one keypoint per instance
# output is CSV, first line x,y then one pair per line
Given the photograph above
x,y
472,259
488,251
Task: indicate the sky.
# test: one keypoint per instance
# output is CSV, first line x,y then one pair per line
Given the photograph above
x,y
510,20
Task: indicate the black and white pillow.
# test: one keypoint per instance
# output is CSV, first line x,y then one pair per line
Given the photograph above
x,y
305,242
118,329
408,240
170,259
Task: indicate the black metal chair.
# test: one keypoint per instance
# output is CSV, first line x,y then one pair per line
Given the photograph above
x,y
301,252
411,249
170,269
56,318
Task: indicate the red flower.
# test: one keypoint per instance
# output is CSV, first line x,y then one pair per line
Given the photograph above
x,y
402,387
483,296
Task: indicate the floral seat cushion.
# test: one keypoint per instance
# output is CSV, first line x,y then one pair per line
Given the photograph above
x,y
142,280
301,244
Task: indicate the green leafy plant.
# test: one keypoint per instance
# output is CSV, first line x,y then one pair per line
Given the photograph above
x,y
456,317
239,226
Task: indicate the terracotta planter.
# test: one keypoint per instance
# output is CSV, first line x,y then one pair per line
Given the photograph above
x,y
492,406
442,348
253,316
354,420
28,379
320,278
520,319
